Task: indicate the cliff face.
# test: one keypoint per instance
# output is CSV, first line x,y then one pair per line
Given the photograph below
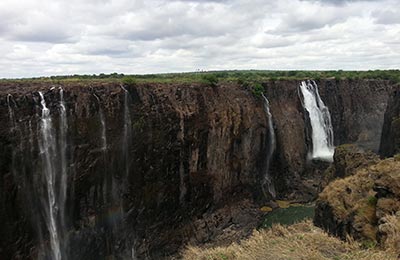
x,y
187,147
356,107
390,142
147,167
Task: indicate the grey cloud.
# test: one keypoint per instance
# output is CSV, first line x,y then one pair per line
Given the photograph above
x,y
94,36
387,17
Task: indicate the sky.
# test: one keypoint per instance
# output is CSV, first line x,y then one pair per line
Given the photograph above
x,y
63,37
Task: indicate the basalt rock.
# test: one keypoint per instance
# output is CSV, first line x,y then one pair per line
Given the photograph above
x,y
390,141
357,109
348,159
192,147
192,150
358,205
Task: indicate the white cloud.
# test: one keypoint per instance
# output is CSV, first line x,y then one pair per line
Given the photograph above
x,y
48,37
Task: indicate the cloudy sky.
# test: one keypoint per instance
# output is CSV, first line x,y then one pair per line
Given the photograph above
x,y
58,37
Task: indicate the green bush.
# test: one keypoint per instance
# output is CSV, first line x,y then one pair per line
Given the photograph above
x,y
128,81
257,89
210,79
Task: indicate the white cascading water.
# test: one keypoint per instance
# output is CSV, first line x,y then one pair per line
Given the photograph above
x,y
320,119
127,129
103,126
267,181
10,112
48,149
63,158
126,141
54,161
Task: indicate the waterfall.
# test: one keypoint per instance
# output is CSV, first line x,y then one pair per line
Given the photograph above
x,y
47,146
11,113
320,119
63,157
127,129
127,137
103,126
267,181
54,167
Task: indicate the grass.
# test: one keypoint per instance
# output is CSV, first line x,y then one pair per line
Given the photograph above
x,y
301,241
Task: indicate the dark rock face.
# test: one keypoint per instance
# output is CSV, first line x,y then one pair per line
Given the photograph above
x,y
192,147
357,109
189,170
349,158
390,141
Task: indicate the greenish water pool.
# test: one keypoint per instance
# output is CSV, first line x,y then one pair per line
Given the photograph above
x,y
288,216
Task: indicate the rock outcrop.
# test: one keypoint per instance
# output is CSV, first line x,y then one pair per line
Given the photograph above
x,y
359,205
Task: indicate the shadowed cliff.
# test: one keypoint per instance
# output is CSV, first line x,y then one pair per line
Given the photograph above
x,y
192,149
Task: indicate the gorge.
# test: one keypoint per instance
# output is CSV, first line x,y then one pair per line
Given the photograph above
x,y
97,169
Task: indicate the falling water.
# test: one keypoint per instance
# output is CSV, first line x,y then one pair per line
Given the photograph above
x,y
48,149
53,152
127,129
11,113
63,158
320,119
103,126
126,142
267,181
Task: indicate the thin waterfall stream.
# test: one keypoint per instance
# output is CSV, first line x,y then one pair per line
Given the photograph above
x,y
320,120
103,125
271,145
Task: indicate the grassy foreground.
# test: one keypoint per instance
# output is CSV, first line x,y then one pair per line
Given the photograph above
x,y
301,241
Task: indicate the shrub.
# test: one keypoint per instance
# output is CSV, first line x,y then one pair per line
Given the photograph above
x,y
257,89
210,79
128,81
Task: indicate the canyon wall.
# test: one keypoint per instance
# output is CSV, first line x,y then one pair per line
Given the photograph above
x,y
357,110
390,142
178,152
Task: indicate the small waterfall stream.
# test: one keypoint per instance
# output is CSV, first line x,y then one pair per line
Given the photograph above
x,y
127,137
103,125
271,145
11,112
320,119
127,129
62,142
54,167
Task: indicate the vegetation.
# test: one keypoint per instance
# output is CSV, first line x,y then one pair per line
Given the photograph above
x,y
128,81
257,89
297,242
210,79
239,76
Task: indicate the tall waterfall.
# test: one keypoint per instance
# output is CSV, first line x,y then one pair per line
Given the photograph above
x,y
62,142
54,166
267,181
320,119
127,137
103,126
127,129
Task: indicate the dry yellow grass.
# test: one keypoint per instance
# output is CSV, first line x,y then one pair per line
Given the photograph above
x,y
302,241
